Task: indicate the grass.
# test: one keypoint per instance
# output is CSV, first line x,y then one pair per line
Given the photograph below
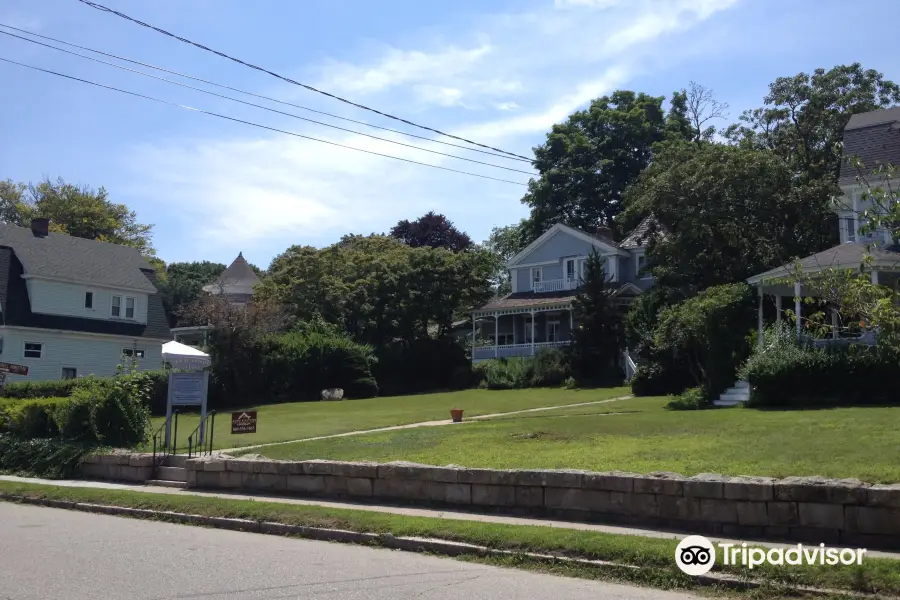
x,y
644,437
298,420
654,556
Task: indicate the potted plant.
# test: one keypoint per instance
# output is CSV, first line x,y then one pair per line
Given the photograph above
x,y
456,414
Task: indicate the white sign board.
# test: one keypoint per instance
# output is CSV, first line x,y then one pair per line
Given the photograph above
x,y
188,389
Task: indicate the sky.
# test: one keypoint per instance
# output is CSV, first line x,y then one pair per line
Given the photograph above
x,y
499,72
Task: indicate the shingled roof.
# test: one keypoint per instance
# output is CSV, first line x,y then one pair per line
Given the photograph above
x,y
873,137
238,279
640,236
843,256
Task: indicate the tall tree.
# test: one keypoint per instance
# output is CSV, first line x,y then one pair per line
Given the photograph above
x,y
728,212
599,337
804,116
504,243
431,230
588,161
79,211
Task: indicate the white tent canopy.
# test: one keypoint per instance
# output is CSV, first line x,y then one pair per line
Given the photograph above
x,y
181,356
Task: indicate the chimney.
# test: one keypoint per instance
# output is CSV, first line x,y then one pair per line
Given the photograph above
x,y
605,234
40,226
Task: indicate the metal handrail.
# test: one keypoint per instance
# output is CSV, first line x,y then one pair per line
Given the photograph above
x,y
159,444
207,445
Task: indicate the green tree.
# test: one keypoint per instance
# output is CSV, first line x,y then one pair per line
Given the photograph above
x,y
79,211
504,243
184,287
804,116
598,339
728,212
588,161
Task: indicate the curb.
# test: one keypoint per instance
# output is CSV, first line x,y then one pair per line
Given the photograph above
x,y
408,544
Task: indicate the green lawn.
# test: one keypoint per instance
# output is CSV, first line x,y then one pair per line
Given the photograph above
x,y
298,420
643,437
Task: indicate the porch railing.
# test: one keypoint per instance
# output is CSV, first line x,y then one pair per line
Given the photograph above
x,y
514,350
554,285
630,366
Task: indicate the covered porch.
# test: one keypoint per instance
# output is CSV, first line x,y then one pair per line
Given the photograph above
x,y
506,332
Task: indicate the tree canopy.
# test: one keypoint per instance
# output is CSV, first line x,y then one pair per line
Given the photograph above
x,y
79,211
433,231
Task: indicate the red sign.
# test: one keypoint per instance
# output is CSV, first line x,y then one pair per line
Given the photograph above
x,y
243,422
14,369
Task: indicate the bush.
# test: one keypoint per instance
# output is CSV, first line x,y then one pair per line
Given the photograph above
x,y
31,418
660,379
424,365
548,368
690,399
52,458
785,373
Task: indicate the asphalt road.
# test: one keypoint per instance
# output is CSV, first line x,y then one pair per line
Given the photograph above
x,y
65,555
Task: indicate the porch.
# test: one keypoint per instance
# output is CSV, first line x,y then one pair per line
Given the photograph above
x,y
521,332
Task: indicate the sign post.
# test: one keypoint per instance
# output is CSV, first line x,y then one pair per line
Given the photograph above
x,y
187,389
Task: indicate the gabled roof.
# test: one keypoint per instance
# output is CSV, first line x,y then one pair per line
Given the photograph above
x,y
873,137
60,256
582,235
15,308
533,299
239,278
843,256
639,237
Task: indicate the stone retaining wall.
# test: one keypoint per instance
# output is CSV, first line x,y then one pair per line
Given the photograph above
x,y
799,509
118,467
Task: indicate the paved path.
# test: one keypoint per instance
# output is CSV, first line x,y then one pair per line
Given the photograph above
x,y
402,510
424,424
66,555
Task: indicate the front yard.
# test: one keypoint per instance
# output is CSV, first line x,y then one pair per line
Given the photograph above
x,y
644,437
299,420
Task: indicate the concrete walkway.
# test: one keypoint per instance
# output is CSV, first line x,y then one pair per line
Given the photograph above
x,y
422,424
407,511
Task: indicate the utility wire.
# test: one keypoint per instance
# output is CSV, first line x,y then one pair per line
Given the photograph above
x,y
190,87
236,120
100,7
270,99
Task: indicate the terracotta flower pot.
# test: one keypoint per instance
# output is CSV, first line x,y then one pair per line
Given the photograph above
x,y
456,414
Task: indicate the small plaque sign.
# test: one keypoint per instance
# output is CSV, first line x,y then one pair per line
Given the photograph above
x,y
187,389
243,421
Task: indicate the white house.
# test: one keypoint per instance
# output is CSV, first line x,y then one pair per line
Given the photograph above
x,y
71,307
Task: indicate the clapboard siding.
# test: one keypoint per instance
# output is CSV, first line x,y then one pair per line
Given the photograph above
x,y
59,298
90,355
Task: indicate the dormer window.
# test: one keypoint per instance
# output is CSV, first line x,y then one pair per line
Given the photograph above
x,y
89,299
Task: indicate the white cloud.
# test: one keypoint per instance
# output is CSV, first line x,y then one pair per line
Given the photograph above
x,y
507,106
597,4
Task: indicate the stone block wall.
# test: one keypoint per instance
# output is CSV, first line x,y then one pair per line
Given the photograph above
x,y
118,467
801,509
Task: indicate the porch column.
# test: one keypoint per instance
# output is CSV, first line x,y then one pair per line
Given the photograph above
x,y
874,277
532,333
797,306
496,336
473,338
759,316
834,324
571,323
778,308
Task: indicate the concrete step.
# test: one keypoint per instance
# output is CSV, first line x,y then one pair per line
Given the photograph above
x,y
742,385
166,483
171,473
727,402
176,460
737,393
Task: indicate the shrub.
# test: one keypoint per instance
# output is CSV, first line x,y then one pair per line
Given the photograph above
x,y
549,367
422,366
31,418
660,379
690,399
44,457
785,373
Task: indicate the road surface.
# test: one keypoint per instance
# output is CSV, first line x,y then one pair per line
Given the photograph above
x,y
66,555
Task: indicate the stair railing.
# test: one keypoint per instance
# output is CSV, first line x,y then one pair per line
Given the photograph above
x,y
630,366
195,446
161,449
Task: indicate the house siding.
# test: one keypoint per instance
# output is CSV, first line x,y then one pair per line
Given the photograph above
x,y
67,299
90,355
558,245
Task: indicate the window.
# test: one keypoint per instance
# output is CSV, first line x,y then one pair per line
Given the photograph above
x,y
570,269
132,352
535,275
553,331
527,323
851,229
503,339
89,299
33,350
116,306
129,308
69,372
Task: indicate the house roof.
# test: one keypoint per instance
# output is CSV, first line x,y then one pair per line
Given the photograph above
x,y
568,229
843,256
532,299
238,278
640,235
873,137
60,256
16,308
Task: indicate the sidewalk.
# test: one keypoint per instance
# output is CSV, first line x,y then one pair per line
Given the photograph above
x,y
407,511
423,424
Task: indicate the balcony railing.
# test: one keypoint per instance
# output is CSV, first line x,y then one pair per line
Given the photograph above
x,y
554,285
513,350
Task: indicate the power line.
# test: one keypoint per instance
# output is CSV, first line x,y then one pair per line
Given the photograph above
x,y
190,87
270,99
252,124
289,80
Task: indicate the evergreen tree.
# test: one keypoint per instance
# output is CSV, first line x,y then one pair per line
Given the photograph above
x,y
597,340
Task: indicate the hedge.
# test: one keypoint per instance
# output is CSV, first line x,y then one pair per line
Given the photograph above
x,y
549,367
785,373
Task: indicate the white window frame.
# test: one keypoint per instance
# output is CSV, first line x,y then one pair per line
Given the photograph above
x,y
638,267
133,307
24,350
527,328
112,305
93,297
555,321
540,275
134,351
62,370
574,263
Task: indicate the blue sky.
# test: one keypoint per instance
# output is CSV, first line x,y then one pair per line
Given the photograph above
x,y
496,71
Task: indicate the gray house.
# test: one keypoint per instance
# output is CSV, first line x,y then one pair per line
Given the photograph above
x,y
545,278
